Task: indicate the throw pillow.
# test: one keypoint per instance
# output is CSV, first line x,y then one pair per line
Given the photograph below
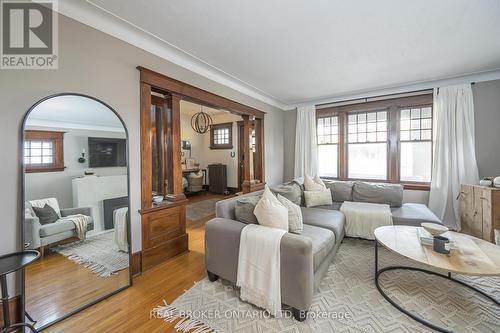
x,y
270,212
46,214
243,210
295,221
292,191
318,180
318,198
312,185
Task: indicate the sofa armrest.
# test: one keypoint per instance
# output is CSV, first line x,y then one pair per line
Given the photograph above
x,y
32,232
73,211
222,244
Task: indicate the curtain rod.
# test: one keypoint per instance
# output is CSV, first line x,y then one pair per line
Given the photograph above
x,y
377,98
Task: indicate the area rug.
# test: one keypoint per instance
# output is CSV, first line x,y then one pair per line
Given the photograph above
x,y
98,253
199,210
347,301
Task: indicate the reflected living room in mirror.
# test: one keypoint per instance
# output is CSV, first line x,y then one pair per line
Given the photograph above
x,y
76,206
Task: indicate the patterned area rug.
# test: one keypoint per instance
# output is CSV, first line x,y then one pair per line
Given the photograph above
x,y
199,210
347,301
98,253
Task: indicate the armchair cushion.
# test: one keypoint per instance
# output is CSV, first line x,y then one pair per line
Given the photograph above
x,y
56,228
46,214
52,202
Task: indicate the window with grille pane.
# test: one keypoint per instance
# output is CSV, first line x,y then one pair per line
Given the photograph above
x,y
328,138
43,151
416,144
221,136
367,145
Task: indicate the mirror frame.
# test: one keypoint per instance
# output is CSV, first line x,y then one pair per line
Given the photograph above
x,y
22,205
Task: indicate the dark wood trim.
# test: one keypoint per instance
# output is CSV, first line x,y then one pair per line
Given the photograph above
x,y
378,105
176,192
57,139
229,145
233,190
260,160
146,157
417,186
14,310
169,84
164,205
136,264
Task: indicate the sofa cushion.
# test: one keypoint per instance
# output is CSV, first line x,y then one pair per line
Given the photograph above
x,y
333,206
292,191
390,194
243,210
45,214
318,198
56,228
413,214
328,219
270,212
295,221
341,190
323,241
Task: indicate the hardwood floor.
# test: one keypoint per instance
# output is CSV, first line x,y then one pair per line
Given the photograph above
x,y
56,286
129,311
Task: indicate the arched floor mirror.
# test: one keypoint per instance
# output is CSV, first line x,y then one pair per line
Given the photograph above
x,y
76,206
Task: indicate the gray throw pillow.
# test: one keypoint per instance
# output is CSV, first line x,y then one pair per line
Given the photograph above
x,y
341,190
46,214
243,210
295,220
390,194
292,191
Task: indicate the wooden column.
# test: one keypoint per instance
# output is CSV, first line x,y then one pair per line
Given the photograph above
x,y
176,192
246,154
260,173
146,158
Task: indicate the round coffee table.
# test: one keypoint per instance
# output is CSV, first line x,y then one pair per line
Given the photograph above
x,y
473,256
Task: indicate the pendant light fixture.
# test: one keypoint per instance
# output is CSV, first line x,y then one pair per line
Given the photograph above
x,y
201,122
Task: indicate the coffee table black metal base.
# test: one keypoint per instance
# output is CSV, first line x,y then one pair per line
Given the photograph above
x,y
408,313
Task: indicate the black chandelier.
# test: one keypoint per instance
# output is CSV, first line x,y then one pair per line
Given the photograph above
x,y
201,122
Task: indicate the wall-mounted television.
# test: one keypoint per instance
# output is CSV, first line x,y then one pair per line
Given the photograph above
x,y
107,152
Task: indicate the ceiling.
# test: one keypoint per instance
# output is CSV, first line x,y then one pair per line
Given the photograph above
x,y
75,112
292,51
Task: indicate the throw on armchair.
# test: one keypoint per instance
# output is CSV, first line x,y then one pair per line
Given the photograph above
x,y
39,235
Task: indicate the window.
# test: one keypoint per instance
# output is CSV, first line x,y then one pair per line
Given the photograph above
x,y
367,145
416,144
43,151
221,136
328,139
387,139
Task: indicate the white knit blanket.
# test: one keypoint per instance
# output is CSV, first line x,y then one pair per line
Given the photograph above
x,y
120,224
81,222
363,218
259,267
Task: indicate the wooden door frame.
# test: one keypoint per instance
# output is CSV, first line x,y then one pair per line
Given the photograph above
x,y
153,81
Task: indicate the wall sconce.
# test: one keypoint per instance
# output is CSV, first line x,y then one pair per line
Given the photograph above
x,y
82,158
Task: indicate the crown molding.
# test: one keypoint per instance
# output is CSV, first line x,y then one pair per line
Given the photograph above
x,y
403,88
98,18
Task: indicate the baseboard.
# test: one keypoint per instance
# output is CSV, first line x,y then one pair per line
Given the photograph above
x,y
136,264
14,309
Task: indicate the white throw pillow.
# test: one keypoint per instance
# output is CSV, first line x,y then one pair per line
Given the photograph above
x,y
295,221
318,180
318,198
312,185
270,212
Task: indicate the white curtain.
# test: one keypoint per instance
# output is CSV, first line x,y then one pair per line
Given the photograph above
x,y
306,151
454,151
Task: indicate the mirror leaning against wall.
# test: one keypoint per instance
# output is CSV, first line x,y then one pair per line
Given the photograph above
x,y
76,206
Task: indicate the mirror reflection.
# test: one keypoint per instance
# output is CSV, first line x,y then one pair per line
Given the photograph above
x,y
76,206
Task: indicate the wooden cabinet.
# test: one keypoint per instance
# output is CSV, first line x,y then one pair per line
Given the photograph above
x,y
480,211
217,178
163,233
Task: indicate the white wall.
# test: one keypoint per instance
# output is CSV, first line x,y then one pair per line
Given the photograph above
x,y
58,184
96,64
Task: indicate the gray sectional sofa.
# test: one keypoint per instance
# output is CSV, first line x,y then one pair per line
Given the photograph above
x,y
305,257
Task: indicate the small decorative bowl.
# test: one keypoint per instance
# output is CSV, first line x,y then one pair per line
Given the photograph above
x,y
158,199
434,229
